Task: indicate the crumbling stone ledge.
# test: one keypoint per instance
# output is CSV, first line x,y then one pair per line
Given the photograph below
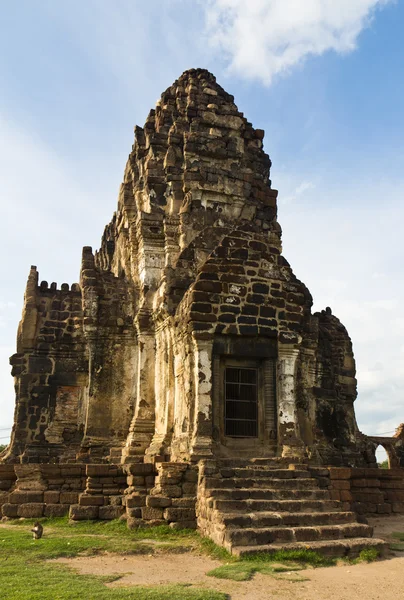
x,y
365,491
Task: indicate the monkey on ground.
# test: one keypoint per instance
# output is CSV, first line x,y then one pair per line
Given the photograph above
x,y
37,530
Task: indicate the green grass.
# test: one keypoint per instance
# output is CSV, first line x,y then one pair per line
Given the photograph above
x,y
209,547
368,555
244,571
25,574
399,547
303,557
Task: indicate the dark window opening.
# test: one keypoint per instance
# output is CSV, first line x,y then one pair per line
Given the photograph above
x,y
241,402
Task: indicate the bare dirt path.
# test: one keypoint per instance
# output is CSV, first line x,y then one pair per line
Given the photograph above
x,y
382,580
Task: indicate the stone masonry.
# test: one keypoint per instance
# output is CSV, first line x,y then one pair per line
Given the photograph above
x,y
188,339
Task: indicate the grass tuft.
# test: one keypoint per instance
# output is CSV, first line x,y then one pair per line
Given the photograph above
x,y
214,551
244,570
368,555
236,572
304,557
397,547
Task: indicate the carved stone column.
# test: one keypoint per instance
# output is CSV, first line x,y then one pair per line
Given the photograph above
x,y
201,443
288,434
143,424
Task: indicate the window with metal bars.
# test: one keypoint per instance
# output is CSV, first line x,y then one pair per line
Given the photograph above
x,y
241,402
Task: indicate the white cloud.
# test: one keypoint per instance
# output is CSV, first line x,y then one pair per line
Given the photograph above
x,y
262,38
303,187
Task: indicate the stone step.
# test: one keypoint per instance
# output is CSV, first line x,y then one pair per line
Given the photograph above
x,y
303,505
252,472
331,548
269,474
115,455
274,462
289,519
269,494
272,535
261,482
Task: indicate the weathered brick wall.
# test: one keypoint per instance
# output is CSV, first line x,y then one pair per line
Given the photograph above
x,y
208,520
80,490
102,497
43,490
365,491
50,371
108,309
171,500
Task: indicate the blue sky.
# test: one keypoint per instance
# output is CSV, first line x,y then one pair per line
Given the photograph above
x,y
325,80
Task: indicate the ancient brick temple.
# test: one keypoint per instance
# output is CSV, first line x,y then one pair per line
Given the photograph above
x,y
185,380
189,336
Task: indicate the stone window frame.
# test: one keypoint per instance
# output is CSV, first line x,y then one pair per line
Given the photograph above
x,y
267,401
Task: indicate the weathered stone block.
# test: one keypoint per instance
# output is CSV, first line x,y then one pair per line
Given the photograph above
x,y
189,488
345,496
179,514
3,497
56,510
140,469
31,510
10,510
187,502
318,471
135,523
98,470
340,473
384,508
340,484
83,513
91,500
136,480
149,513
69,471
135,513
191,475
158,501
51,497
149,481
110,512
25,497
115,500
69,497
172,491
135,500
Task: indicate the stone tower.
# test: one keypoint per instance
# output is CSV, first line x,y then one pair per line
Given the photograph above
x,y
188,336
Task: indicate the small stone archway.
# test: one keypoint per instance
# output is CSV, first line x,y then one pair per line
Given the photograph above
x,y
389,446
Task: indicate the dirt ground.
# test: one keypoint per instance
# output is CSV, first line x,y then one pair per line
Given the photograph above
x,y
382,580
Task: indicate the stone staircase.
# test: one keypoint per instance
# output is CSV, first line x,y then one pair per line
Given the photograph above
x,y
267,504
